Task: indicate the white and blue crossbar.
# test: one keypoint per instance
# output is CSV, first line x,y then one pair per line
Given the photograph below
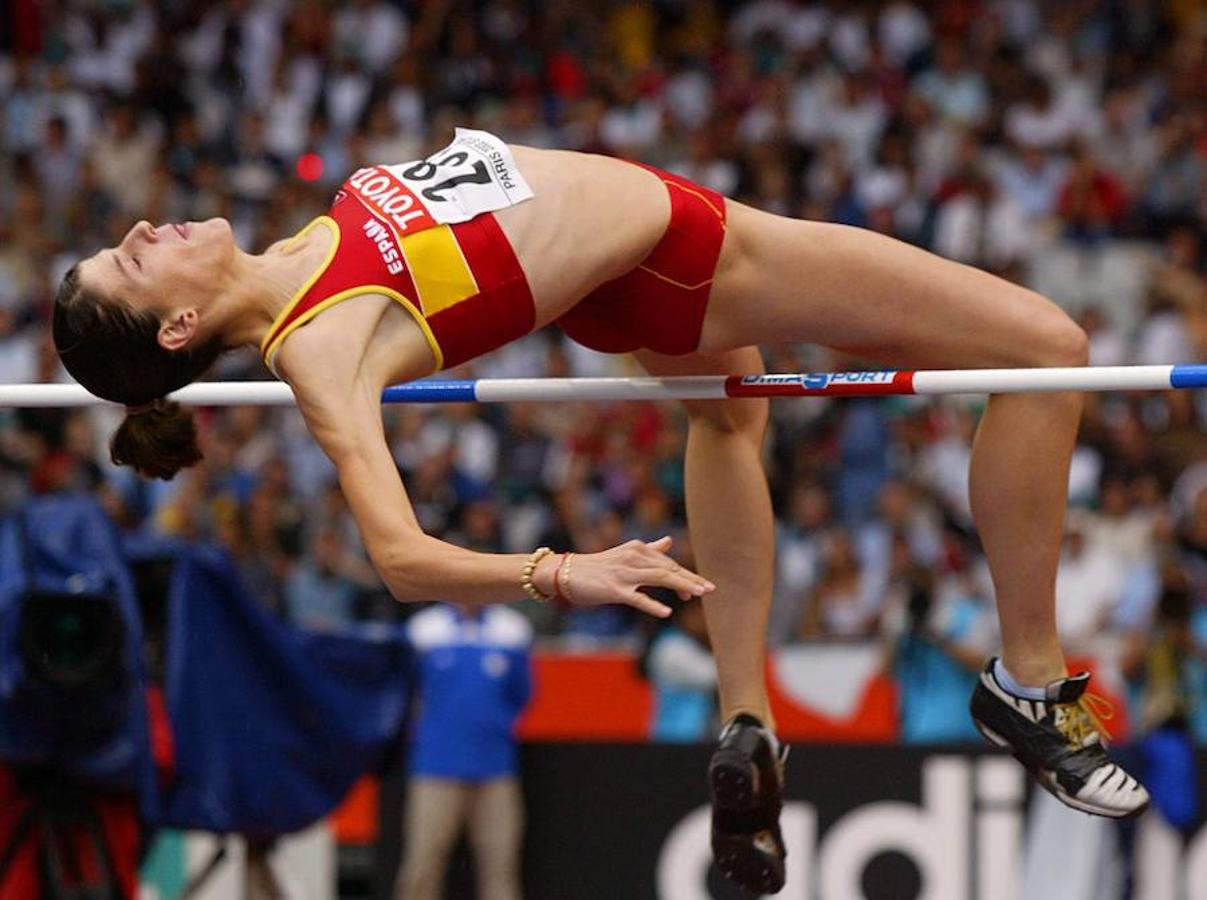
x,y
703,387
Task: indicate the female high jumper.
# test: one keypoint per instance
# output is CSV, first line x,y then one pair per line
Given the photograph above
x,y
422,266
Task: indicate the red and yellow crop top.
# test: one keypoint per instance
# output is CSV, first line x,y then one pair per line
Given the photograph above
x,y
423,234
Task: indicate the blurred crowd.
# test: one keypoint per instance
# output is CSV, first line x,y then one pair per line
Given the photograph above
x,y
1060,144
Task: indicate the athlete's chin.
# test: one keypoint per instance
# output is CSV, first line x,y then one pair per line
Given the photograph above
x,y
217,235
217,225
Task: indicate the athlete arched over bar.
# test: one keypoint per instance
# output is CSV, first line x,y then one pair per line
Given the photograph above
x,y
424,265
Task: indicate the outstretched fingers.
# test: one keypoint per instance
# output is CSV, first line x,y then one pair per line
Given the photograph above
x,y
659,570
619,574
686,584
647,604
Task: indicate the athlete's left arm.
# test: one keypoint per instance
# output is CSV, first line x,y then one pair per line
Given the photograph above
x,y
413,565
345,419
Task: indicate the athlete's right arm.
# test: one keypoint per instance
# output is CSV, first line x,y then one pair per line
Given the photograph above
x,y
416,566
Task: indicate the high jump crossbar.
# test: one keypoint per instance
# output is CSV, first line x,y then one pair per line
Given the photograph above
x,y
705,387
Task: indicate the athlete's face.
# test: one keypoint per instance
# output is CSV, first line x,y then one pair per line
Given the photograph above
x,y
167,270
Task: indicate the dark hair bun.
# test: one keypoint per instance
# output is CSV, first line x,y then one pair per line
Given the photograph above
x,y
157,442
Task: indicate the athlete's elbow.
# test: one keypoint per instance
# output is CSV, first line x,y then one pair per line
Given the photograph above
x,y
404,587
405,570
405,591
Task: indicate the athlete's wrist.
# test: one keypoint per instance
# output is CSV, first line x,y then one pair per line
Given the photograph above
x,y
543,574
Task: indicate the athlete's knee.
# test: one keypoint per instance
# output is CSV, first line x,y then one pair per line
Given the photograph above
x,y
1059,341
747,417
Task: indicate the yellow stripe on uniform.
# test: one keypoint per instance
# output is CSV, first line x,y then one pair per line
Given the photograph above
x,y
272,338
441,274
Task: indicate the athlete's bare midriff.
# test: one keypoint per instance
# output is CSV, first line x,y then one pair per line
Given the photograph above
x,y
591,219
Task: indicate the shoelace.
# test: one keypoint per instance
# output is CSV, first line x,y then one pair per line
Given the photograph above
x,y
1084,718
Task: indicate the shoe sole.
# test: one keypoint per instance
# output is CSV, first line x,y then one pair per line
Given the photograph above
x,y
735,785
739,859
1048,782
733,780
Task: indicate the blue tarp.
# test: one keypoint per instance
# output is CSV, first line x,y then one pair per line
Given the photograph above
x,y
271,724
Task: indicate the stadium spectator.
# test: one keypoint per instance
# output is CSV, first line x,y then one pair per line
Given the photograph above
x,y
681,670
1092,202
319,595
473,682
1165,666
1087,586
956,90
936,632
843,604
800,532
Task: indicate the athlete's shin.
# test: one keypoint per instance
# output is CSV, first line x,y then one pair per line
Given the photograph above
x,y
729,515
1019,488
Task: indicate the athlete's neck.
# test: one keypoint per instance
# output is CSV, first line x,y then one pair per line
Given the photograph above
x,y
261,286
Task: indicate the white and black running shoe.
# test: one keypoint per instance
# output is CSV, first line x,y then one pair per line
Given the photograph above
x,y
1059,739
746,782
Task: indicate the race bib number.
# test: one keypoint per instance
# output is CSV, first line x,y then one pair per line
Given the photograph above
x,y
474,174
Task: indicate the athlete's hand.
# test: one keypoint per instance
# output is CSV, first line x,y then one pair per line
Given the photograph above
x,y
617,576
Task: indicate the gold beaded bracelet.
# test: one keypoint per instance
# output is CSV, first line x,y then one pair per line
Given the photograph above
x,y
526,575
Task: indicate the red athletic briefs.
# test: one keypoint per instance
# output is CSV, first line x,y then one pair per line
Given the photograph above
x,y
659,305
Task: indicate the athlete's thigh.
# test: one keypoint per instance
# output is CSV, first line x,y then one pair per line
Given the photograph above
x,y
791,280
750,414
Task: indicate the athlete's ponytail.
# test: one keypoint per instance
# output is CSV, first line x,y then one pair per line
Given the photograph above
x,y
157,441
113,350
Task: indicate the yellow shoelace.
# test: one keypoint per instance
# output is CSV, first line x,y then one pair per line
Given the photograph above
x,y
1084,718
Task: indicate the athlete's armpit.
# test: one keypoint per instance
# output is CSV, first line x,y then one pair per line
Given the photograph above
x,y
348,427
